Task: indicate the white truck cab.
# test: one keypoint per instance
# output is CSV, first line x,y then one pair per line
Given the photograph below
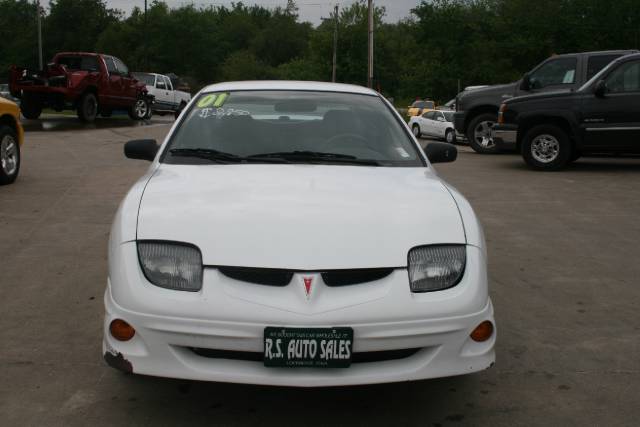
x,y
167,99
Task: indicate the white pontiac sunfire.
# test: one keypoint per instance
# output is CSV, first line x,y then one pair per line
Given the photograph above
x,y
294,233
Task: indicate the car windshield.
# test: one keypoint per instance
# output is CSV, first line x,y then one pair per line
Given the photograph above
x,y
292,127
423,104
146,78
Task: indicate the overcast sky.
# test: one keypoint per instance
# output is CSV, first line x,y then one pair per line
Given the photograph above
x,y
309,10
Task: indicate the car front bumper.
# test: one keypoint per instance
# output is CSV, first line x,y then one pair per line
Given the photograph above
x,y
505,137
229,316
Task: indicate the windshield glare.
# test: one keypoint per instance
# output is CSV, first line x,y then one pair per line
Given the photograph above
x,y
253,123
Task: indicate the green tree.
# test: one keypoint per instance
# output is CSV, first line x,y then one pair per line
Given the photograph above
x,y
19,36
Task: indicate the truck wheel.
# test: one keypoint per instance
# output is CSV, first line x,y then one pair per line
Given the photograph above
x,y
9,155
88,108
479,133
179,110
416,130
546,148
140,109
31,107
450,136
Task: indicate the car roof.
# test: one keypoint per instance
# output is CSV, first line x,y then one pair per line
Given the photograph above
x,y
289,85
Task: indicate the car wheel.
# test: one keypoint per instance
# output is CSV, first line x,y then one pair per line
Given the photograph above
x,y
31,107
416,131
9,155
88,108
546,148
450,136
480,133
140,109
179,110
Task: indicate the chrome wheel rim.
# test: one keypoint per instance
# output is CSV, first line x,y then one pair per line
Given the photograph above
x,y
483,134
416,131
141,108
9,155
545,148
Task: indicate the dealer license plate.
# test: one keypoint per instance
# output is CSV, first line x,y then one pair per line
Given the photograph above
x,y
308,347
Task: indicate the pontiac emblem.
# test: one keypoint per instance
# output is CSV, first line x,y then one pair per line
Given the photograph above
x,y
308,286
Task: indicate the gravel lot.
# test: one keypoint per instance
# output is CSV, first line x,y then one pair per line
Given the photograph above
x,y
564,282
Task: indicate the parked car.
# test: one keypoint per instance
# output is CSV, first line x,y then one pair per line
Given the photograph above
x,y
292,225
11,138
6,94
555,128
477,110
89,83
419,107
436,124
166,98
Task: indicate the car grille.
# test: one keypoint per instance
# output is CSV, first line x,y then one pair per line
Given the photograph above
x,y
358,357
282,277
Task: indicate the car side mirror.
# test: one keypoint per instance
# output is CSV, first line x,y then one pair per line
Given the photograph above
x,y
525,84
600,90
141,149
440,152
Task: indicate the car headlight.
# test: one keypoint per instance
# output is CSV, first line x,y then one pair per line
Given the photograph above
x,y
171,265
437,267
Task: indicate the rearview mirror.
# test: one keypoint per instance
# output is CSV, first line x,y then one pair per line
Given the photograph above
x,y
440,152
141,149
525,84
600,89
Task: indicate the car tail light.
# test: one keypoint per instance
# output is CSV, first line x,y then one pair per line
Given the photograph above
x,y
503,108
171,265
437,267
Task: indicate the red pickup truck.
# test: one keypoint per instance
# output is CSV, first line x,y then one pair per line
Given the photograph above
x,y
89,83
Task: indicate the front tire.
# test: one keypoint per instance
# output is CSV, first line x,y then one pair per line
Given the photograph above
x,y
547,148
31,107
9,155
480,133
416,131
450,136
88,108
140,109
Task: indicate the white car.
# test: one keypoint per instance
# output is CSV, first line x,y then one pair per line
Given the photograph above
x,y
166,98
437,124
294,233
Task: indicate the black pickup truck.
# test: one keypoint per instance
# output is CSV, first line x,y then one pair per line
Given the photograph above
x,y
602,117
477,110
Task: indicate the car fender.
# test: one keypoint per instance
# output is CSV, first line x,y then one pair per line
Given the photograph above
x,y
472,227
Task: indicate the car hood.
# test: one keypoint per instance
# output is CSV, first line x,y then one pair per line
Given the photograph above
x,y
542,95
304,217
500,90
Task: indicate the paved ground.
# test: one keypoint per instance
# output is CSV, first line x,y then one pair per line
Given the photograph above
x,y
563,266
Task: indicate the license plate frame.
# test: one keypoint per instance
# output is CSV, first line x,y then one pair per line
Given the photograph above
x,y
333,347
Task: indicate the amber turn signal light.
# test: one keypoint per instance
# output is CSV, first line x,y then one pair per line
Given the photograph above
x,y
121,330
482,332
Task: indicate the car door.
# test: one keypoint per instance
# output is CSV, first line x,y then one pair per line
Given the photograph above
x,y
440,125
426,123
611,120
129,91
162,94
171,95
114,84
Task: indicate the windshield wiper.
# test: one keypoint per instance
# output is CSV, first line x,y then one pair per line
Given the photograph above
x,y
317,156
221,156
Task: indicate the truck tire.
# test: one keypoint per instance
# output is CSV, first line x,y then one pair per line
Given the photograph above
x,y
31,107
547,148
140,109
479,133
88,108
9,155
179,110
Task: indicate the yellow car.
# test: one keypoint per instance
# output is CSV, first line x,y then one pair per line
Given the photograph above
x,y
11,138
420,107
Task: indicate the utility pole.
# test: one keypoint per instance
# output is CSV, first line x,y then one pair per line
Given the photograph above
x,y
370,65
335,43
39,18
146,39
